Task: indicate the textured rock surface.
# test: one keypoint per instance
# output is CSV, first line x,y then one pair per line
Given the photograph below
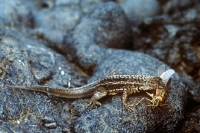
x,y
137,10
173,38
72,42
143,119
27,61
106,25
191,124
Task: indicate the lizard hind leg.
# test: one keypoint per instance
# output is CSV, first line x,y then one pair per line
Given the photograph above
x,y
142,99
99,93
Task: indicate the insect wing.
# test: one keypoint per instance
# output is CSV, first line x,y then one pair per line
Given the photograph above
x,y
167,75
161,70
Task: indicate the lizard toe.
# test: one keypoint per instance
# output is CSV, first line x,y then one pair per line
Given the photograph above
x,y
129,108
94,103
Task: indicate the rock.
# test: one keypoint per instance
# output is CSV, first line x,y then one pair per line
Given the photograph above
x,y
193,89
15,13
107,26
159,38
61,43
26,61
176,5
31,63
113,117
137,10
56,20
191,123
55,23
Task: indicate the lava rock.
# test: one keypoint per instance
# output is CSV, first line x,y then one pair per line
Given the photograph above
x,y
15,13
176,5
61,43
26,61
54,23
172,40
106,25
113,117
191,124
137,10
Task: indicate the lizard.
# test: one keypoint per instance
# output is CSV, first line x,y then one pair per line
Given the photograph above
x,y
112,85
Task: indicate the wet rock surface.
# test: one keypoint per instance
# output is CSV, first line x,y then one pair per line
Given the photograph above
x,y
61,43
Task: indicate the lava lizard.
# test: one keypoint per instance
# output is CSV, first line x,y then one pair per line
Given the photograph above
x,y
111,85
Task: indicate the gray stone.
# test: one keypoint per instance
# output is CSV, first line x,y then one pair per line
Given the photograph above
x,y
191,123
71,43
15,13
106,25
143,118
26,61
176,5
137,10
55,23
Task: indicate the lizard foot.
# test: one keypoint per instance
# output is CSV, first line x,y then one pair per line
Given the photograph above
x,y
100,92
94,103
129,107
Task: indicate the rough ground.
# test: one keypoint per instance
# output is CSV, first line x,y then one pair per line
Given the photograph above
x,y
57,42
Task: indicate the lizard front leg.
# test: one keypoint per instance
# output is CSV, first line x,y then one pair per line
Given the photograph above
x,y
100,92
154,101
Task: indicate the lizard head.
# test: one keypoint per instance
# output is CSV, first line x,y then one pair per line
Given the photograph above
x,y
156,82
162,82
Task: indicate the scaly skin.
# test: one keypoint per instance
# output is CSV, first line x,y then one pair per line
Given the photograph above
x,y
110,85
